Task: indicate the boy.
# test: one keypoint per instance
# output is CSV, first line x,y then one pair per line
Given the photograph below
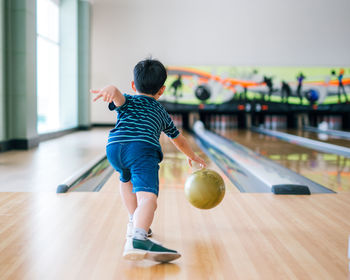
x,y
134,151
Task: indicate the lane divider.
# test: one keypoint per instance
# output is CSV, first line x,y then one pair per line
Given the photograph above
x,y
90,178
251,172
302,141
339,133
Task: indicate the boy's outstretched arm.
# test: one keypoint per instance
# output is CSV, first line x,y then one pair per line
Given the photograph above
x,y
110,94
181,143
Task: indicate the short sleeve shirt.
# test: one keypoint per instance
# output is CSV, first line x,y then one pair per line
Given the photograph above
x,y
142,118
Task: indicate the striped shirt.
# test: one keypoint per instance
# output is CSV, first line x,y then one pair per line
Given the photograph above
x,y
142,118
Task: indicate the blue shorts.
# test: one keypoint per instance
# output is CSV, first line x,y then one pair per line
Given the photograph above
x,y
138,162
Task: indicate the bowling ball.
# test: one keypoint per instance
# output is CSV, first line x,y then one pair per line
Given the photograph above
x,y
312,95
204,189
202,92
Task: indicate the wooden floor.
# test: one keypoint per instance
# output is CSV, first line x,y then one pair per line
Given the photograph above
x,y
44,235
248,236
329,170
42,169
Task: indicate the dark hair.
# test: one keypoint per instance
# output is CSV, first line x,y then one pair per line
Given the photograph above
x,y
149,76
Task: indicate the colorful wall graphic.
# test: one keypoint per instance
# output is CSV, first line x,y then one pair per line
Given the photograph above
x,y
219,84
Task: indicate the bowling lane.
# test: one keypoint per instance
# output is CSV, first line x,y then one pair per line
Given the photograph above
x,y
326,138
329,170
174,168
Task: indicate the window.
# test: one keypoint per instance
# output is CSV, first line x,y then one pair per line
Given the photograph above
x,y
48,66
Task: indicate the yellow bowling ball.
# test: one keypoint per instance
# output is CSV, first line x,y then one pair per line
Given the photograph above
x,y
204,189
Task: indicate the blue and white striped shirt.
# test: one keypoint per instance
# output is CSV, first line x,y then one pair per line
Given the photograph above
x,y
142,118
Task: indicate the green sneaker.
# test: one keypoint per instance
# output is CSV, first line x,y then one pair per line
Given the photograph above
x,y
136,250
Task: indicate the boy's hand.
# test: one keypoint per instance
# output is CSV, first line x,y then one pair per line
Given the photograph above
x,y
198,160
182,144
110,94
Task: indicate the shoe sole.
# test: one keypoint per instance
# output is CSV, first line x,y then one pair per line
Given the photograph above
x,y
134,255
162,257
139,255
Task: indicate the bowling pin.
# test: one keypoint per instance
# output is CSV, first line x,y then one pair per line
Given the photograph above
x,y
224,122
217,122
338,122
331,122
267,122
274,122
212,121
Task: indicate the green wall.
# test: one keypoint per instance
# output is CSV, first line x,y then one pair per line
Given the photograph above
x,y
84,15
2,72
20,51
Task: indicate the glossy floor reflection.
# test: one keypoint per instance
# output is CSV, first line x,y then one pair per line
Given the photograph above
x,y
174,169
326,138
329,170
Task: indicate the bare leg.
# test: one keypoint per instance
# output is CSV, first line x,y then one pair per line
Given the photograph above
x,y
129,198
144,213
139,247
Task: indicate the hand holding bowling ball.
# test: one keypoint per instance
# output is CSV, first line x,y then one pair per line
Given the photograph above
x,y
204,189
